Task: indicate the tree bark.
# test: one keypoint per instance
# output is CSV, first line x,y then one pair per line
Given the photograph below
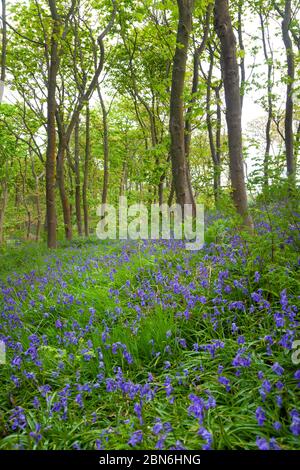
x,y
77,180
180,172
37,201
123,184
230,72
4,46
215,154
289,108
86,172
269,62
195,83
105,148
62,189
242,50
217,169
51,129
3,204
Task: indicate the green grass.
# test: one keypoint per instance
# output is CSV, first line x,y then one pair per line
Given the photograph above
x,y
99,277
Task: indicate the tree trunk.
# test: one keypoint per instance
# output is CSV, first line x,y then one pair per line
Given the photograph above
x,y
171,195
270,101
195,83
51,130
105,149
86,173
3,52
77,180
214,154
161,190
230,72
24,197
217,168
180,172
61,184
38,210
28,224
297,143
123,183
242,51
289,108
3,204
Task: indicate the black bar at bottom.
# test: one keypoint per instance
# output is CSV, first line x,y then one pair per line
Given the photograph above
x,y
142,459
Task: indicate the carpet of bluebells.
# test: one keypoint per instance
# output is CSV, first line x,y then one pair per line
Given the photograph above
x,y
146,345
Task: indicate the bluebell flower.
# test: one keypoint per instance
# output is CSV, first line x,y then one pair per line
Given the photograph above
x,y
36,435
273,444
278,399
279,385
295,425
36,403
297,374
158,427
277,369
18,419
138,411
161,442
206,435
178,446
260,416
136,438
277,426
224,381
279,319
262,443
182,342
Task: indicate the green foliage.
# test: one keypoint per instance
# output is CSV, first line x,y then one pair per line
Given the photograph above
x,y
232,423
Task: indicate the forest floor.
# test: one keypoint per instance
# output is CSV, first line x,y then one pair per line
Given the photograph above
x,y
147,345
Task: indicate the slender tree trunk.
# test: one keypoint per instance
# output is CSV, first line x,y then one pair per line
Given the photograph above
x,y
38,210
51,130
24,197
242,50
297,143
61,184
123,183
180,172
161,190
188,116
86,173
105,149
77,180
3,205
270,101
28,224
71,190
217,168
289,108
37,198
3,52
171,195
213,151
195,83
230,72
